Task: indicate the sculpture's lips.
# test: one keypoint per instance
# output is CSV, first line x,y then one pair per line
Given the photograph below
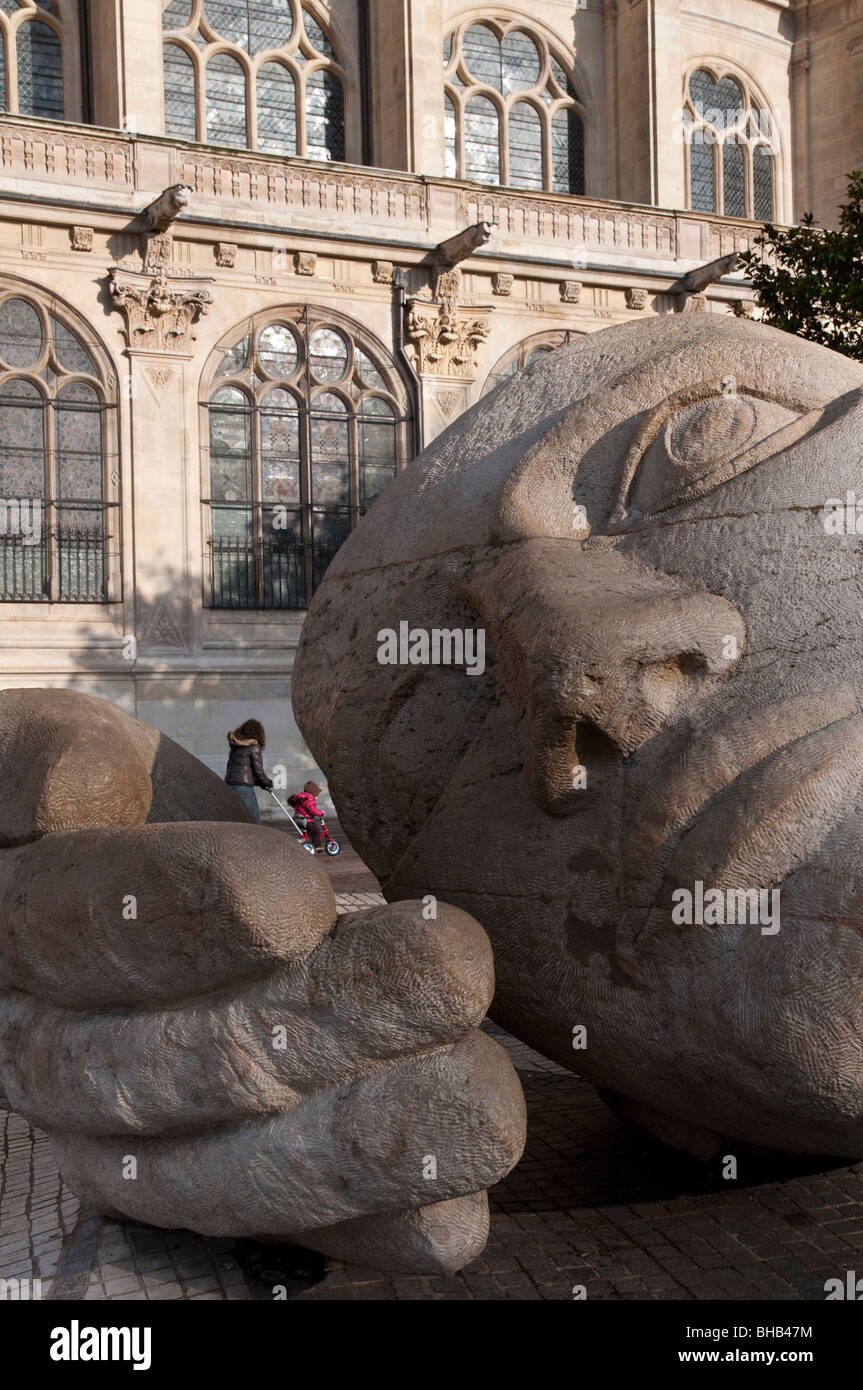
x,y
718,757
752,799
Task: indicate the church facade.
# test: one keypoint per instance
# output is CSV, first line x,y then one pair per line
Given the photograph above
x,y
254,254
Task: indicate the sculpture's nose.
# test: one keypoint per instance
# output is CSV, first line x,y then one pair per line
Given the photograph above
x,y
597,654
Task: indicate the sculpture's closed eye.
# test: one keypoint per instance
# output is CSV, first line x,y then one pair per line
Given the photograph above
x,y
692,443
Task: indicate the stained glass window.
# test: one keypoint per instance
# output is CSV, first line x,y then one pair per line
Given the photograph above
x,y
176,15
724,123
733,192
297,453
525,146
53,427
78,421
230,446
762,180
316,36
280,447
179,79
22,458
226,101
293,69
325,116
528,351
21,335
702,194
520,63
330,450
449,128
377,447
277,110
277,350
40,71
328,355
481,141
567,151
505,138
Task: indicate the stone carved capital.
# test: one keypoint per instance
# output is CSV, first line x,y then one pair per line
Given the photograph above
x,y
445,339
159,312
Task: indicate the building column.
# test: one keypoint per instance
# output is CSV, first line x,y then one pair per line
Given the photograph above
x,y
407,101
140,37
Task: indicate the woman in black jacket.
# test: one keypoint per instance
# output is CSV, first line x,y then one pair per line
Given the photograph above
x,y
246,766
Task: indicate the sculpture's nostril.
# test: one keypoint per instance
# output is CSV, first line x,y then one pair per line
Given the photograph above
x,y
567,763
664,685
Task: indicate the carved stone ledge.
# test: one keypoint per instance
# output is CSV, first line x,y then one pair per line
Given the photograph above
x,y
159,312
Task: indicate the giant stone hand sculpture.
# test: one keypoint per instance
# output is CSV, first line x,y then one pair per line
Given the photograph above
x,y
206,1045
669,714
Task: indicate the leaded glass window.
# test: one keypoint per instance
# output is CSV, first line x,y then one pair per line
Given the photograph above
x,y
226,101
528,351
762,183
729,171
179,79
260,74
308,421
40,71
511,115
56,422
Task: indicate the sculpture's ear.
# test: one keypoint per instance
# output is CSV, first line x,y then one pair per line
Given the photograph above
x,y
66,763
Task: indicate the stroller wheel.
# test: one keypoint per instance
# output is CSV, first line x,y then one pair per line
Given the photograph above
x,y
333,847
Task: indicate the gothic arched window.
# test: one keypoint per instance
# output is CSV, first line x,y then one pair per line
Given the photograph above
x,y
57,484
31,59
524,353
307,421
252,74
730,144
511,113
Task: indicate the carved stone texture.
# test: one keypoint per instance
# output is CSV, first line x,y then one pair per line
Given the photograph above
x,y
445,339
649,789
226,254
447,402
382,272
502,283
305,262
158,251
446,285
570,291
81,238
164,628
160,312
636,298
695,304
340,1073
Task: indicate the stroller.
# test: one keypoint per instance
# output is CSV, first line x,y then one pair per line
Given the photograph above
x,y
301,825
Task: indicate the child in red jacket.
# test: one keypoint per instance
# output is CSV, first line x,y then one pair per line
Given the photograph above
x,y
304,804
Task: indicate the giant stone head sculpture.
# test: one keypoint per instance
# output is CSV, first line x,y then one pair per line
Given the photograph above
x,y
651,795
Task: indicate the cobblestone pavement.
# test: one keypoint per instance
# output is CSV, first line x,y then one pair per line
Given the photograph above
x,y
590,1204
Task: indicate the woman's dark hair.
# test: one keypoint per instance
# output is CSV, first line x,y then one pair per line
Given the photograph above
x,y
252,728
